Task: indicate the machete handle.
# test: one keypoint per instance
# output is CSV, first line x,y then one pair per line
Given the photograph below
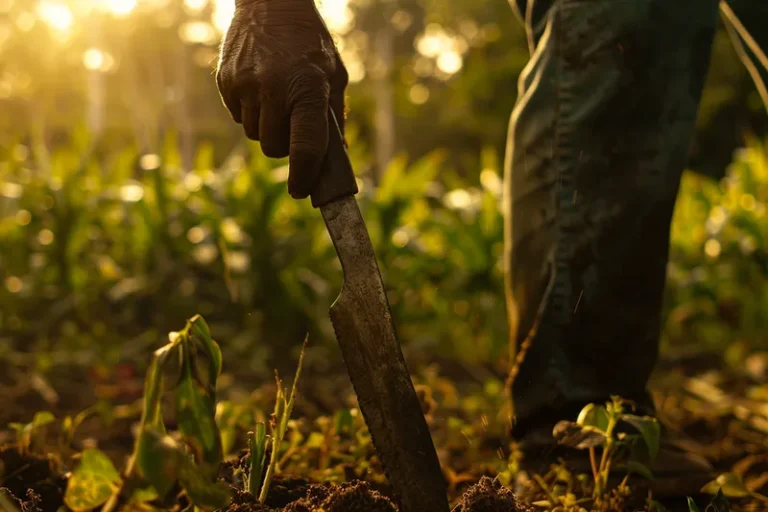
x,y
337,179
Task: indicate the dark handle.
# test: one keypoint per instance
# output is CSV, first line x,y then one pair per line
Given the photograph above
x,y
337,179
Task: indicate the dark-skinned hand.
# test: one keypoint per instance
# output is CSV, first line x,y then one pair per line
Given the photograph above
x,y
279,71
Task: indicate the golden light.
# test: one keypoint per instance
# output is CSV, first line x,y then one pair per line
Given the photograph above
x,y
450,62
337,15
93,59
222,14
121,7
14,284
195,5
25,21
419,94
712,248
56,15
198,32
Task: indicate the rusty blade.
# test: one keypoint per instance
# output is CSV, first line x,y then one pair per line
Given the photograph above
x,y
362,320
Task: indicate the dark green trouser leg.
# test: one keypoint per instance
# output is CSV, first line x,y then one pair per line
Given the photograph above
x,y
597,145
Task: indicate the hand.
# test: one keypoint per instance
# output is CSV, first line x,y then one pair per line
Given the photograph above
x,y
279,70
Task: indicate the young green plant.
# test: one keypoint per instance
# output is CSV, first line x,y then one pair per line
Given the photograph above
x,y
259,441
159,463
596,427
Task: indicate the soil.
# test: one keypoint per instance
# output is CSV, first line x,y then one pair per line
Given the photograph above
x,y
33,481
488,495
36,485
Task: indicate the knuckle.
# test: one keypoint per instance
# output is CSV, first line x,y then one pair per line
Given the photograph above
x,y
341,76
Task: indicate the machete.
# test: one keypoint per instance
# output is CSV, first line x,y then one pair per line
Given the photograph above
x,y
362,321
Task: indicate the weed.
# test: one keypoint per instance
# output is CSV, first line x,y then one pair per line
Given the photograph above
x,y
259,442
596,428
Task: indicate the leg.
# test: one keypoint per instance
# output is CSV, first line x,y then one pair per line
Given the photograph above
x,y
597,144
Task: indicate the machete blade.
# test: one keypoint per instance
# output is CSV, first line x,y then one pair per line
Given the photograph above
x,y
362,321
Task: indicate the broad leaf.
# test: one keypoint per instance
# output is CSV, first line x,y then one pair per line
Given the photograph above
x,y
162,462
594,415
729,484
570,433
156,460
195,415
636,467
41,419
649,428
692,507
92,482
201,491
203,333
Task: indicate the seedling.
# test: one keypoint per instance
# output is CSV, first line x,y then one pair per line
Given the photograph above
x,y
26,431
596,428
159,463
259,440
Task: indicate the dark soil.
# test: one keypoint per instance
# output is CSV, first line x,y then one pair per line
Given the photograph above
x,y
32,480
348,497
488,495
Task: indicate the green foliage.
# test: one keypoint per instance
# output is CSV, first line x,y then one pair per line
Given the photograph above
x,y
92,482
159,459
25,431
278,425
596,428
718,276
257,444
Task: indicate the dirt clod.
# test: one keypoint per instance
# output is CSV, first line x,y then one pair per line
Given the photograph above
x,y
31,480
348,497
489,495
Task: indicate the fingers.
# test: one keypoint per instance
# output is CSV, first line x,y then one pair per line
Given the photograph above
x,y
309,140
274,127
250,114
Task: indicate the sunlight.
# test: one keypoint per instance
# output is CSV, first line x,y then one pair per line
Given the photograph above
x,y
222,14
337,15
97,60
93,59
121,7
195,5
56,15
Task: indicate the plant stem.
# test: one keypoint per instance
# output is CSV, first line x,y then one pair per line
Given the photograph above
x,y
270,471
593,463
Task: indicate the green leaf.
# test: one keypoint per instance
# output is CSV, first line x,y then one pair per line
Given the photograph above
x,y
195,415
594,415
162,462
200,330
692,507
92,482
729,484
649,428
570,433
201,491
41,419
153,384
342,421
719,503
655,506
143,495
634,466
258,445
156,460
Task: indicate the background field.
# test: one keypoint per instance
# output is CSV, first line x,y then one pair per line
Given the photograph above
x,y
129,202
